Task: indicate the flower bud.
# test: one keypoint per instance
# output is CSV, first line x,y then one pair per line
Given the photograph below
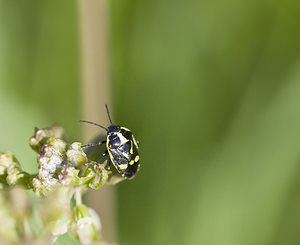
x,y
7,160
69,175
86,225
76,155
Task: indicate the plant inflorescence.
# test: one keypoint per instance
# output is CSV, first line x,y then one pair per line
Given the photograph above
x,y
64,173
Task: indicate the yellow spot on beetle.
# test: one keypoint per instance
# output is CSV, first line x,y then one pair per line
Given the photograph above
x,y
131,162
123,166
137,158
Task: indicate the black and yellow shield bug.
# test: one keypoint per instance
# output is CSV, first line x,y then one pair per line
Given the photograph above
x,y
121,147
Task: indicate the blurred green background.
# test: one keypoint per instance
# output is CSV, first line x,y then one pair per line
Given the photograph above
x,y
211,90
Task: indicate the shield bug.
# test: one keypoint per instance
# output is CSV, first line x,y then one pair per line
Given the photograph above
x,y
121,147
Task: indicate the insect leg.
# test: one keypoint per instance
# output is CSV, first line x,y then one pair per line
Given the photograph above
x,y
108,164
105,153
93,144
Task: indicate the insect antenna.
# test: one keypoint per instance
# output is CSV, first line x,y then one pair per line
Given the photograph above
x,y
107,111
93,124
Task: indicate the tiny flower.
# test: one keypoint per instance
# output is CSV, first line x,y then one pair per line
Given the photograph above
x,y
58,144
76,155
42,188
49,159
40,137
50,163
11,169
101,176
86,225
38,140
69,175
95,175
14,174
6,160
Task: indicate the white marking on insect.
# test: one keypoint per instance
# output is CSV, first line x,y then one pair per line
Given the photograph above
x,y
122,138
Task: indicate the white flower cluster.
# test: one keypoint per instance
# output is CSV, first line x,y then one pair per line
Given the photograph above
x,y
64,172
